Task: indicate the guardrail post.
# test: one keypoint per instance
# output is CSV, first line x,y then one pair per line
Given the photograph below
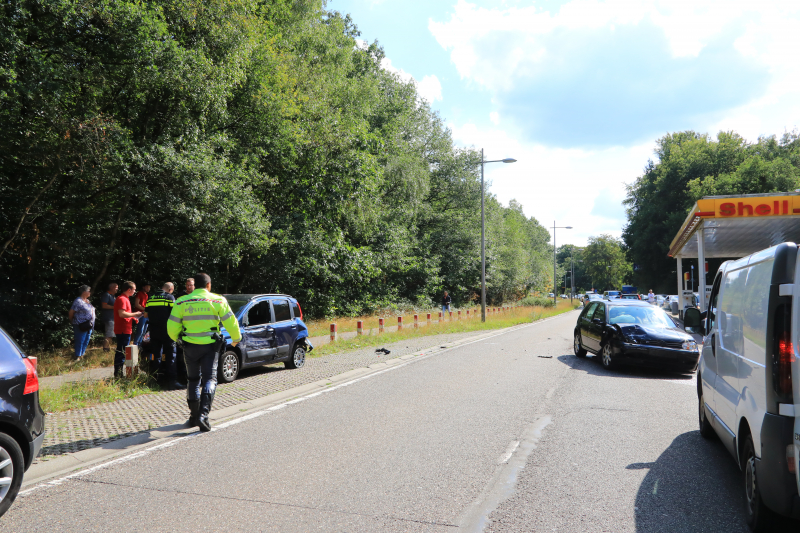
x,y
360,327
451,316
416,321
399,323
333,332
131,360
380,325
429,319
467,314
440,316
459,315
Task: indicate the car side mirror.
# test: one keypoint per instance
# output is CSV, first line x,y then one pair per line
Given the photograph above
x,y
692,318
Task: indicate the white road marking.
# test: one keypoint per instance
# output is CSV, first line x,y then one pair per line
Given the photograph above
x,y
509,452
251,416
476,517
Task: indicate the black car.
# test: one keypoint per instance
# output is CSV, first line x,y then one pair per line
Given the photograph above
x,y
21,418
634,332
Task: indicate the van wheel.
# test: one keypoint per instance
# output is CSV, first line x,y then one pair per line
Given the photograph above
x,y
298,356
706,431
758,516
580,351
606,356
228,367
12,468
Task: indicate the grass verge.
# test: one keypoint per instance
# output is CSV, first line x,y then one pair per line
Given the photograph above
x,y
513,317
81,394
61,361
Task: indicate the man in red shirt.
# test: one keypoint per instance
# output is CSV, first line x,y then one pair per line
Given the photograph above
x,y
139,304
123,324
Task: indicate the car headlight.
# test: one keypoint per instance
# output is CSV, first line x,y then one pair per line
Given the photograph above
x,y
690,345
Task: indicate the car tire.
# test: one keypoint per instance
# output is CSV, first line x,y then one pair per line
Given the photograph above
x,y
298,358
757,515
12,469
580,351
229,366
607,356
706,430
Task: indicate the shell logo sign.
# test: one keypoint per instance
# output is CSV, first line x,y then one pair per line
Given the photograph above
x,y
765,206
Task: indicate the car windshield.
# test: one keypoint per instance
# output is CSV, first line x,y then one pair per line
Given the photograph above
x,y
236,305
645,316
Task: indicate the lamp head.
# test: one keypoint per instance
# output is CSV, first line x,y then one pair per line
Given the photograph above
x,y
568,227
509,160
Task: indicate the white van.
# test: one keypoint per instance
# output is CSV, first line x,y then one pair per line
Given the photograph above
x,y
744,379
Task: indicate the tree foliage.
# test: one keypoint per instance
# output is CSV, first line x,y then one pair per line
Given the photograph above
x,y
690,166
605,263
257,141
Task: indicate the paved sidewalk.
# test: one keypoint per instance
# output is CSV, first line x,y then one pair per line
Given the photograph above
x,y
80,429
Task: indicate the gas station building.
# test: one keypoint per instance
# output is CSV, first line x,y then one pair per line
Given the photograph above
x,y
731,227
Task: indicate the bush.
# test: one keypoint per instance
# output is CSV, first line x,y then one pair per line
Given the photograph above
x,y
537,301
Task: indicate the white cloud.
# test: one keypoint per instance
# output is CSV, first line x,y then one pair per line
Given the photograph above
x,y
516,52
575,187
494,116
430,89
386,64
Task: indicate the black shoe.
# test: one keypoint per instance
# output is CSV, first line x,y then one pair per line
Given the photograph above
x,y
206,399
172,385
118,371
194,409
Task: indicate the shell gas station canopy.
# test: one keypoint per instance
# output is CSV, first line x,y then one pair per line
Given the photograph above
x,y
735,226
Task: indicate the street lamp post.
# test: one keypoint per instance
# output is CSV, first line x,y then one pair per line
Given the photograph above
x,y
555,300
483,234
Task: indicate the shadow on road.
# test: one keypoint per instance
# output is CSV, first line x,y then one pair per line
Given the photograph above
x,y
591,365
694,485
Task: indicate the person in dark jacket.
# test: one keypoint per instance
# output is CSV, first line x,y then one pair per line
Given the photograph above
x,y
158,308
446,303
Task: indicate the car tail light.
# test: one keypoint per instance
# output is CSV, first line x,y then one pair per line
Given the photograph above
x,y
32,377
791,461
301,310
783,355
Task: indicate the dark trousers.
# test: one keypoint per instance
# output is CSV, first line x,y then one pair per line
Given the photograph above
x,y
162,352
123,339
201,369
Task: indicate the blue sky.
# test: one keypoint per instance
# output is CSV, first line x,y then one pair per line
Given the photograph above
x,y
579,90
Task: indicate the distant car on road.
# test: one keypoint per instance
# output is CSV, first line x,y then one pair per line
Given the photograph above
x,y
610,295
21,418
637,333
630,297
273,331
550,295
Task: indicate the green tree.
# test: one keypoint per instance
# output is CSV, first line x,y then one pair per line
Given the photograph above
x,y
605,262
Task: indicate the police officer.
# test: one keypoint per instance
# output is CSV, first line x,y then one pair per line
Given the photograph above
x,y
157,311
196,319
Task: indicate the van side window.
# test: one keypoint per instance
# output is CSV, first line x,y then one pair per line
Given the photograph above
x,y
756,304
731,310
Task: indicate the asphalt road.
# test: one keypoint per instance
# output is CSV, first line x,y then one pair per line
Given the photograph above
x,y
510,433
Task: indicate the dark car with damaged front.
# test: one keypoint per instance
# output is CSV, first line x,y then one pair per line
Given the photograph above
x,y
636,333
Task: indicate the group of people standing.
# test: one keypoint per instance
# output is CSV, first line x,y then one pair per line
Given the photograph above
x,y
125,315
197,323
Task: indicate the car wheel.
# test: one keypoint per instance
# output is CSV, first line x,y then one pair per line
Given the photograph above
x,y
298,356
228,367
580,351
12,468
606,356
759,517
706,431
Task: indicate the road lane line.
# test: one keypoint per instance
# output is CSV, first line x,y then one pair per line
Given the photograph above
x,y
504,481
509,452
262,412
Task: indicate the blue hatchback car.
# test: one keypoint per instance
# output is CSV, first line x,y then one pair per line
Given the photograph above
x,y
273,331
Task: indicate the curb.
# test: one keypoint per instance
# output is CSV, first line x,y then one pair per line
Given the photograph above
x,y
71,462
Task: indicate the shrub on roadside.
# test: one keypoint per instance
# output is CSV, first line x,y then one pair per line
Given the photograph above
x,y
537,301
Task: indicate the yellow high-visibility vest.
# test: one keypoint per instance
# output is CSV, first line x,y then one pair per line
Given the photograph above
x,y
198,315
